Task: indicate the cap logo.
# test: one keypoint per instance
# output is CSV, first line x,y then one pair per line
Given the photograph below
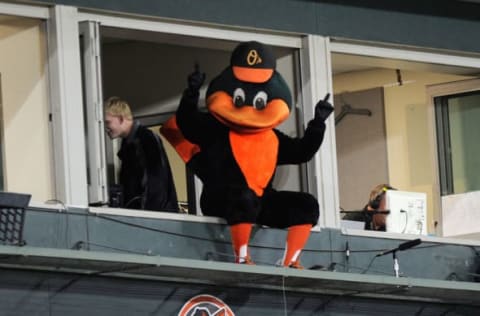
x,y
253,58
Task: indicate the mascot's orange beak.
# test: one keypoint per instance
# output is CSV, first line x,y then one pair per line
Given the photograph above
x,y
247,119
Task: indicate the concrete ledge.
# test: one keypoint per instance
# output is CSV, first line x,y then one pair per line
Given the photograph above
x,y
221,273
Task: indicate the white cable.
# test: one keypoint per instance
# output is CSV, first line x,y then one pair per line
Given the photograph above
x,y
284,297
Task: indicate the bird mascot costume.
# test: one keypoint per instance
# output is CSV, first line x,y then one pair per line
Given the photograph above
x,y
234,149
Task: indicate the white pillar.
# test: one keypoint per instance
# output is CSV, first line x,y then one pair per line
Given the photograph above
x,y
322,170
67,106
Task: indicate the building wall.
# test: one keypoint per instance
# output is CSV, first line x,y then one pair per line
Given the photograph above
x,y
186,237
451,25
25,293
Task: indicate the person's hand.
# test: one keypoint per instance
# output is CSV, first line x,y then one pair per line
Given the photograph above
x,y
196,80
323,109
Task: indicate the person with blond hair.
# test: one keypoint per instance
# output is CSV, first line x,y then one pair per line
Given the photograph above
x,y
145,176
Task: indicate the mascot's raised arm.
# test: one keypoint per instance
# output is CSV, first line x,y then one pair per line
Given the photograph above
x,y
234,148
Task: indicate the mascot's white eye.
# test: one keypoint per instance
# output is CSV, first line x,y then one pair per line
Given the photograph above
x,y
260,100
239,97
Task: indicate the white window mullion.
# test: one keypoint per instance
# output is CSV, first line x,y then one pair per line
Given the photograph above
x,y
322,170
67,106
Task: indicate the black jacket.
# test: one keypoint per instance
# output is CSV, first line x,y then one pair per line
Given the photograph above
x,y
145,174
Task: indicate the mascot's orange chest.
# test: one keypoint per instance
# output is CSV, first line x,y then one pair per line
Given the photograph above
x,y
256,155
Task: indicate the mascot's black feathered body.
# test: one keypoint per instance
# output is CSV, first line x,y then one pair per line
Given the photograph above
x,y
235,148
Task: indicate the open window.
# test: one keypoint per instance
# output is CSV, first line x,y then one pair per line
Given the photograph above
x,y
457,113
148,68
385,123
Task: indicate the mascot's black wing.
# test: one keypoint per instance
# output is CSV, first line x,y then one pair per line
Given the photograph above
x,y
299,150
197,127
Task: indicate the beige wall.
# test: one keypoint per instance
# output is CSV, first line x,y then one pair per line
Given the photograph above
x,y
26,134
409,128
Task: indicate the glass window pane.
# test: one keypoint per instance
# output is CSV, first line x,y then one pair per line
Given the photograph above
x,y
464,115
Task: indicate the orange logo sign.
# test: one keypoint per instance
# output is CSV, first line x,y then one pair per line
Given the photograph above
x,y
205,305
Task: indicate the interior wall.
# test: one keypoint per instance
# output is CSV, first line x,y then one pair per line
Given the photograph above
x,y
409,128
152,77
361,146
25,110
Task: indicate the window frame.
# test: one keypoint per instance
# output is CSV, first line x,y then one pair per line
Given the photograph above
x,y
25,10
440,90
311,49
442,115
409,54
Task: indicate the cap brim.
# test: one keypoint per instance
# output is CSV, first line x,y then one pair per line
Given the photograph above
x,y
255,75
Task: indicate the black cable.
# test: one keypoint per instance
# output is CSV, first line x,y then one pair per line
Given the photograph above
x,y
78,246
55,201
64,209
369,265
138,197
123,268
347,257
477,253
172,233
420,311
134,225
214,240
227,242
406,220
363,268
448,310
87,215
348,294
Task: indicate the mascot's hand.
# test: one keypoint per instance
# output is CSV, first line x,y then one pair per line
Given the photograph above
x,y
195,80
323,109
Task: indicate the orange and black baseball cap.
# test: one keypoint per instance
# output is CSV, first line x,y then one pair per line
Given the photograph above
x,y
253,62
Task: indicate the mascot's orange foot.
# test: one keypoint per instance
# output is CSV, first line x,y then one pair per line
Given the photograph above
x,y
296,265
247,260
